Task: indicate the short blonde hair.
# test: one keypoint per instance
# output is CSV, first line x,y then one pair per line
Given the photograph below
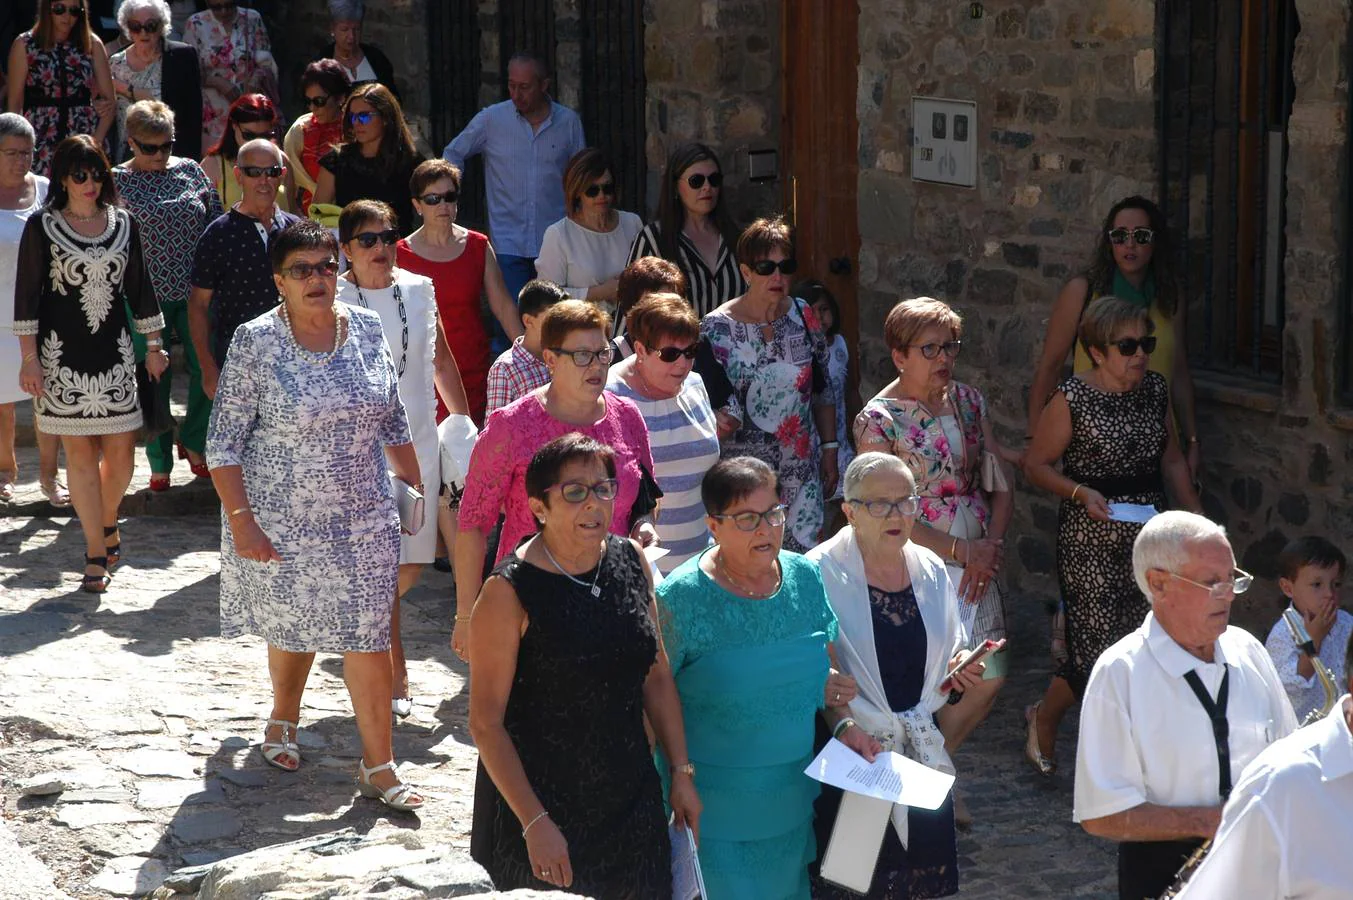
x,y
662,315
568,316
910,317
146,117
1107,316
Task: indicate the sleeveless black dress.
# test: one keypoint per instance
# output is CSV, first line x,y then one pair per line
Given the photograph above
x,y
575,715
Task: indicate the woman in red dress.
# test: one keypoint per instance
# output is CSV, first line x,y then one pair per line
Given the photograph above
x,y
462,265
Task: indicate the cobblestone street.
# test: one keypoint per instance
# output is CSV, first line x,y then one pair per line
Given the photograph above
x,y
152,718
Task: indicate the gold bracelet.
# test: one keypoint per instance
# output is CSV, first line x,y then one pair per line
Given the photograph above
x,y
236,512
1074,491
30,356
953,550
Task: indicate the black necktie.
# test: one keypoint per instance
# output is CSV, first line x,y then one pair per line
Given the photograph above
x,y
1221,730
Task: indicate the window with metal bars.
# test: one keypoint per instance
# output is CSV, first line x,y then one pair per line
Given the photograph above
x,y
613,91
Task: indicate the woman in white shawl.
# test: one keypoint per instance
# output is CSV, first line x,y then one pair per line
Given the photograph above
x,y
900,634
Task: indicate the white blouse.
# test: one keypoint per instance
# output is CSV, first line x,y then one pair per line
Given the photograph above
x,y
577,258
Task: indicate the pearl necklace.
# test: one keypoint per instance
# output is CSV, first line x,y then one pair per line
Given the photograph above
x,y
592,589
747,592
318,358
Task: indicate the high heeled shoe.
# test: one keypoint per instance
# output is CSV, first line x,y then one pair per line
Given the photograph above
x,y
1032,753
396,797
273,751
114,551
402,707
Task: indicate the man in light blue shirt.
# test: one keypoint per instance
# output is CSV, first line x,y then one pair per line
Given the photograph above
x,y
527,142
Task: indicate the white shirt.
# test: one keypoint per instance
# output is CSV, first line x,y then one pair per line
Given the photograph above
x,y
1306,694
1287,832
577,258
1145,737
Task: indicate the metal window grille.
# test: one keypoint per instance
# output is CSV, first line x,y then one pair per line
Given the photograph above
x,y
613,90
453,45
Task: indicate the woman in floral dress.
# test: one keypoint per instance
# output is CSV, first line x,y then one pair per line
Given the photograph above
x,y
770,343
59,79
236,58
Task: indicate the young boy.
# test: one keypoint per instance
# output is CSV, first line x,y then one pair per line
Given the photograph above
x,y
519,369
1312,575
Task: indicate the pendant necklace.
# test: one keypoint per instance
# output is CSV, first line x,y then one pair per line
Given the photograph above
x,y
403,321
592,589
755,595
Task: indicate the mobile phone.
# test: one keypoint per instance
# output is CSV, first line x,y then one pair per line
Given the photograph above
x,y
988,647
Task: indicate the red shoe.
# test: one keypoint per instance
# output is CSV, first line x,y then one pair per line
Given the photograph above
x,y
159,481
200,469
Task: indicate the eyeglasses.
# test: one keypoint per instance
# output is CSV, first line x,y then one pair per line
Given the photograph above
x,y
697,181
269,134
304,271
151,27
764,267
594,189
262,171
367,239
1140,236
748,521
1128,346
318,100
930,351
1239,583
882,509
670,354
16,155
82,175
577,491
361,118
154,149
583,358
67,9
439,199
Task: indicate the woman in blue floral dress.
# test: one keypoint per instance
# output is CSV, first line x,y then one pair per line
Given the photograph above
x,y
769,343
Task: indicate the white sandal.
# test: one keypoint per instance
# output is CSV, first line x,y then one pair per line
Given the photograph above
x,y
396,797
273,750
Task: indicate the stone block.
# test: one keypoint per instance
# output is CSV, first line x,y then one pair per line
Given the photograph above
x,y
167,794
1009,23
992,287
83,815
949,57
1116,113
1036,554
1318,468
130,876
1020,256
1020,140
886,203
167,763
1261,557
1040,107
1247,492
1041,24
1047,227
1294,508
446,878
1058,71
197,828
1019,64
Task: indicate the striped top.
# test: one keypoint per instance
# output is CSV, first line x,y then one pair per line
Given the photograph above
x,y
685,440
706,289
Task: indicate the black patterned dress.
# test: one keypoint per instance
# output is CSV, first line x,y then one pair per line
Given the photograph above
x,y
575,716
58,96
1117,441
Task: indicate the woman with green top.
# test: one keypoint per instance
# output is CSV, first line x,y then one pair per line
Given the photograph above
x,y
1134,261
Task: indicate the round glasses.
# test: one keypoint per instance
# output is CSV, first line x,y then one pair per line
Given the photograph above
x,y
748,521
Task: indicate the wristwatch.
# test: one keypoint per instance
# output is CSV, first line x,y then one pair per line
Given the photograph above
x,y
687,769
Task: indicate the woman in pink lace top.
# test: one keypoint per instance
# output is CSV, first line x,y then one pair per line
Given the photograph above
x,y
577,352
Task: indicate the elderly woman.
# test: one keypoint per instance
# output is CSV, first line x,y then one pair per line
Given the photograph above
x,y
152,67
681,425
940,428
251,117
900,634
462,266
325,88
235,57
573,338
22,193
307,418
1133,261
171,197
77,257
377,158
362,63
748,630
567,662
426,371
59,79
694,229
1112,429
772,347
585,251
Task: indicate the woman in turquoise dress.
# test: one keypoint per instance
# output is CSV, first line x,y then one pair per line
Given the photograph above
x,y
748,631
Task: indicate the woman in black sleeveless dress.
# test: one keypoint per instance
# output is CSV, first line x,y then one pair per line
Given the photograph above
x,y
567,659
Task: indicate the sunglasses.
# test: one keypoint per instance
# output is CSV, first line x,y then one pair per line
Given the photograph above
x,y
697,181
1128,346
948,348
747,521
67,9
361,118
318,100
367,239
304,271
767,267
151,27
594,189
82,175
439,199
269,134
154,149
576,491
583,358
262,171
882,509
1140,236
670,354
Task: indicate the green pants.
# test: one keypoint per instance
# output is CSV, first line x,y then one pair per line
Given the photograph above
x,y
192,428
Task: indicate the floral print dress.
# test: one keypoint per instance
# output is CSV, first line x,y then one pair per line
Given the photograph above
x,y
773,396
58,97
241,53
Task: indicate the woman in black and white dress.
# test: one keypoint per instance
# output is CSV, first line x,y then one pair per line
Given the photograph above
x,y
80,267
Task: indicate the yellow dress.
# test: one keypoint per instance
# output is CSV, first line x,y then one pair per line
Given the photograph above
x,y
1162,360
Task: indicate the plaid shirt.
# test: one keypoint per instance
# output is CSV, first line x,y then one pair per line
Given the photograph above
x,y
515,373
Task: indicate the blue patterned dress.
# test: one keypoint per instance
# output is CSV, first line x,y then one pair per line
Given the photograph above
x,y
311,440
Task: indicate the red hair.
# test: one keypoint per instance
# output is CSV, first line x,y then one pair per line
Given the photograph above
x,y
246,108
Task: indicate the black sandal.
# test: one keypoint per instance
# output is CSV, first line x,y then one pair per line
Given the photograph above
x,y
114,551
96,584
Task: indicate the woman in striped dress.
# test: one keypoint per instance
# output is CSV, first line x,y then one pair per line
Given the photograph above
x,y
682,430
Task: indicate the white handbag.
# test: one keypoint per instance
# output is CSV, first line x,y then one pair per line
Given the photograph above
x,y
455,438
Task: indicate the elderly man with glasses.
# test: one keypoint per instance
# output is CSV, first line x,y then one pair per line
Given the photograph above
x,y
1174,711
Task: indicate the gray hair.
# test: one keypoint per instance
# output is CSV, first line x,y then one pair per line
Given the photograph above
x,y
867,464
347,10
15,125
1164,542
131,7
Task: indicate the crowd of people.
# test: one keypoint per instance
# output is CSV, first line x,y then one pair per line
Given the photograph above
x,y
686,555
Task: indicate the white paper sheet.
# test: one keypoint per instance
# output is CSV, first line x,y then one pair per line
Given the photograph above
x,y
890,777
653,552
688,883
1132,512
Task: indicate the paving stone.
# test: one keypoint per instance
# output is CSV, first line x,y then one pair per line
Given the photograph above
x,y
167,763
164,794
82,815
130,876
195,828
123,839
243,777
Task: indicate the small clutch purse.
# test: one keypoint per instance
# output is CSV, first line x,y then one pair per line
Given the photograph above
x,y
993,474
410,501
